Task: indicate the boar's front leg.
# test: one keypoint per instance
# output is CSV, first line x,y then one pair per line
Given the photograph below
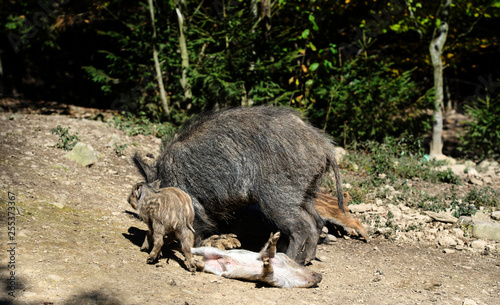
x,y
147,240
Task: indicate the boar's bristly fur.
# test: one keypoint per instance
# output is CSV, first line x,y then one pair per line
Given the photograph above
x,y
165,210
266,155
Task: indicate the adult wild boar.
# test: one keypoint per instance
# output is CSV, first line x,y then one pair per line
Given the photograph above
x,y
265,155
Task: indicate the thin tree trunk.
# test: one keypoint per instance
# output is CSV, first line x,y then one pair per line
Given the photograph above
x,y
186,86
163,94
436,51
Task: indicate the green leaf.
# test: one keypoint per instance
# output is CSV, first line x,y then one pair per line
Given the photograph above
x,y
305,34
313,21
314,66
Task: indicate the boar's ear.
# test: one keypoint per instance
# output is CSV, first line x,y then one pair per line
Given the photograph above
x,y
147,171
156,184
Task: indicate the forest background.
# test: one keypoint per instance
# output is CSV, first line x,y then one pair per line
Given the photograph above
x,y
360,70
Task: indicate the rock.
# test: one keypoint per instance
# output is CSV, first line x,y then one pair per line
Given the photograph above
x,y
475,181
58,204
483,166
447,241
448,251
479,244
83,154
361,208
483,229
481,215
340,153
472,172
488,180
470,164
115,139
396,212
458,232
495,215
458,169
55,278
329,238
442,217
469,302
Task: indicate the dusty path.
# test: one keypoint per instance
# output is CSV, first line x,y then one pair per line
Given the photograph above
x,y
77,244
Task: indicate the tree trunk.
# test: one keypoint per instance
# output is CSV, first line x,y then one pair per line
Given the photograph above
x,y
436,51
159,78
186,86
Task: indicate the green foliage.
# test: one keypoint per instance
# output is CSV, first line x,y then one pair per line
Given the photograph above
x,y
141,124
66,140
432,203
396,159
486,197
119,149
482,136
368,99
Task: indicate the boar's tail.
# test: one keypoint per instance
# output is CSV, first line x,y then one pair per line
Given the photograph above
x,y
150,173
338,182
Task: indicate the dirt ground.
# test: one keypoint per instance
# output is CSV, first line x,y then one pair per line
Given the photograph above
x,y
77,242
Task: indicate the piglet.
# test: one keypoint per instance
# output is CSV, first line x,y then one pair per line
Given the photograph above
x,y
267,266
165,210
328,208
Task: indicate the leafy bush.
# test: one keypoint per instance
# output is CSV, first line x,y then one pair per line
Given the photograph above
x,y
485,196
66,140
367,99
141,124
482,136
396,158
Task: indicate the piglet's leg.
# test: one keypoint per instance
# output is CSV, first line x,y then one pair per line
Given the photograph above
x,y
158,243
269,249
186,238
267,272
147,240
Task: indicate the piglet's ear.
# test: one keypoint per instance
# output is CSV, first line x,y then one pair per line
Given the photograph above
x,y
156,184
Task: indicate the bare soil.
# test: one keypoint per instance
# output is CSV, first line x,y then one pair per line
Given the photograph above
x,y
77,240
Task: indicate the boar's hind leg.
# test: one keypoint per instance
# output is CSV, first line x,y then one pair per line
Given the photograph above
x,y
186,237
269,249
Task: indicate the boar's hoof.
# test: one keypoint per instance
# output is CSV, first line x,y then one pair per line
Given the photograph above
x,y
150,260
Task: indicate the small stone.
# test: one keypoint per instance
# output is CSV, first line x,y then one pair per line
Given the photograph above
x,y
83,154
483,166
469,302
458,232
58,204
55,278
442,217
479,244
361,208
447,241
476,181
448,251
458,169
495,215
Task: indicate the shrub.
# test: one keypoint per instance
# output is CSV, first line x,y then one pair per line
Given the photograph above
x,y
482,134
66,140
